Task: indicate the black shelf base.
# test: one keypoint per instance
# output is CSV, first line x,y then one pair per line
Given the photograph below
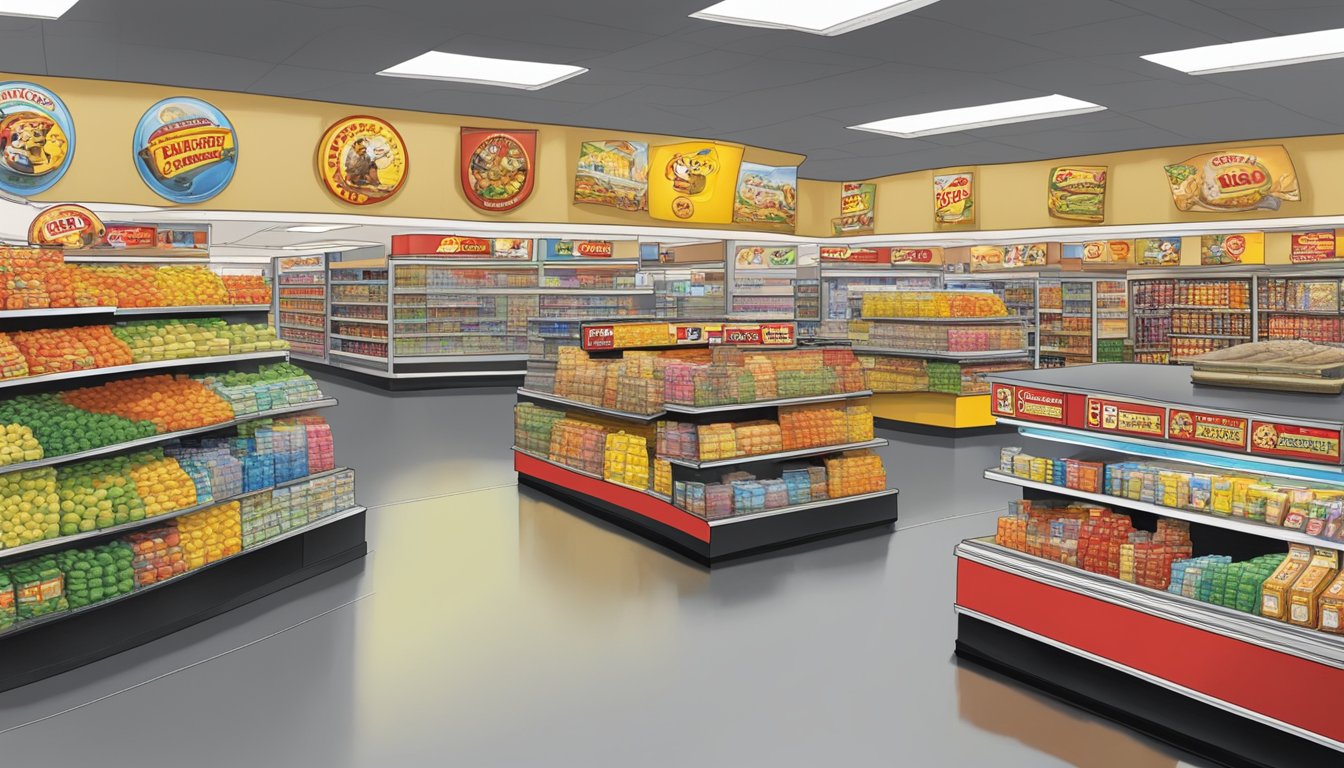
x,y
60,646
1173,718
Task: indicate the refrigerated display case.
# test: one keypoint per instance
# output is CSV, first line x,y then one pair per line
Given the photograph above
x,y
1180,313
1083,320
358,331
689,292
1181,574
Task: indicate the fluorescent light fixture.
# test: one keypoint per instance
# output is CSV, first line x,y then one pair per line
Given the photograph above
x,y
816,17
1255,54
328,245
315,228
36,9
509,73
968,118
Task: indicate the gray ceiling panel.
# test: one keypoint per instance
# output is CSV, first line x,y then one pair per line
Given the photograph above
x,y
653,69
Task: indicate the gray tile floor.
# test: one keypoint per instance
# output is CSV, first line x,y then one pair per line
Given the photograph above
x,y
491,626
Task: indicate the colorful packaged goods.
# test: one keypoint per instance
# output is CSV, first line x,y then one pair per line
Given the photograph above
x,y
749,497
161,484
662,477
678,440
8,607
532,427
626,460
158,554
897,304
895,374
798,485
717,442
756,438
97,574
813,426
689,496
211,534
1306,592
171,403
39,588
249,290
1276,594
1330,606
30,509
718,501
854,473
97,494
578,444
858,424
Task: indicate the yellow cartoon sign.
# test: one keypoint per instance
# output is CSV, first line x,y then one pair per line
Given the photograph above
x,y
694,181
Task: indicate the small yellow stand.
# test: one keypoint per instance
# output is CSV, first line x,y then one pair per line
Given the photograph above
x,y
934,409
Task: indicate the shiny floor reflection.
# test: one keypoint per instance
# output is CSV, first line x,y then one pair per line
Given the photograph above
x,y
498,627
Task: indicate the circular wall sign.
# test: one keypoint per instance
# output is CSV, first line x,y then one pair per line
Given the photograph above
x,y
37,138
185,150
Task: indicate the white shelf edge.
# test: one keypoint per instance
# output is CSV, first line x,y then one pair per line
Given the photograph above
x,y
134,311
780,456
579,404
152,365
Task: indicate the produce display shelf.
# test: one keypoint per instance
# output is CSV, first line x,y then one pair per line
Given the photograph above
x,y
998,354
1205,678
997,319
368,320
1239,524
795,508
782,455
707,542
154,365
357,356
55,312
164,437
211,308
370,339
26,626
1072,352
1206,336
446,291
60,542
532,394
694,409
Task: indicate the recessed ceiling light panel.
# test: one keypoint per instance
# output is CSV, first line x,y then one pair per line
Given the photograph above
x,y
480,70
817,17
1255,54
983,116
36,9
328,245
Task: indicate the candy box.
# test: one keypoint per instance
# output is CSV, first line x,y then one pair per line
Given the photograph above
x,y
1306,591
1330,607
1275,594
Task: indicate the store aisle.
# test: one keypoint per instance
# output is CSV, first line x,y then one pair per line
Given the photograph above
x,y
491,626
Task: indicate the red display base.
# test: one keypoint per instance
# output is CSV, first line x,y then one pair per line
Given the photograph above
x,y
688,534
1261,689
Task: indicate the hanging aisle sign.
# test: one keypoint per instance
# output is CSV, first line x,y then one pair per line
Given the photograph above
x,y
767,195
66,226
857,205
499,167
1253,178
1312,247
1158,251
37,138
693,181
362,160
1222,250
954,198
185,150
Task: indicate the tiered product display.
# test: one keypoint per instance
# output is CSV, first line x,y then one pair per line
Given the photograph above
x,y
1179,317
1200,524
1303,305
139,454
1018,293
301,305
716,438
842,287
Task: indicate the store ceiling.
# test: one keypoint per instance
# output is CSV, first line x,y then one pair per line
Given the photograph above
x,y
653,69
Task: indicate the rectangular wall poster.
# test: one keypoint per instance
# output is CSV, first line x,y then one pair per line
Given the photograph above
x,y
1218,250
1246,179
574,250
989,258
613,173
844,254
1157,251
768,195
858,206
1107,252
765,257
954,198
916,255
1310,247
694,181
1078,193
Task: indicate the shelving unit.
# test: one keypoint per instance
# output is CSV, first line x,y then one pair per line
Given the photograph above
x,y
1083,320
1180,312
1133,650
652,513
1019,292
1300,303
688,292
300,305
289,530
841,285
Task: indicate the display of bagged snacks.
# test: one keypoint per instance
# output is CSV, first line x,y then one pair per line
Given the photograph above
x,y
718,501
717,442
211,534
626,460
578,444
321,447
715,386
39,588
820,483
764,382
748,497
678,440
853,473
345,490
662,477
97,574
812,426
259,519
679,383
157,554
690,497
638,394
8,606
776,494
858,423
755,438
798,484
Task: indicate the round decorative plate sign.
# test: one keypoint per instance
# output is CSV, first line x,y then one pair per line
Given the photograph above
x,y
66,226
363,160
185,150
498,167
37,138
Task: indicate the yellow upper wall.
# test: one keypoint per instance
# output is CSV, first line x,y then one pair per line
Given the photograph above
x,y
277,169
278,140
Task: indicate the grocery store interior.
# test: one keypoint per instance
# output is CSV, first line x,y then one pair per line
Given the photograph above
x,y
755,382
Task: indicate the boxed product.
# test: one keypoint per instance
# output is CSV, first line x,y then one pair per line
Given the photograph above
x,y
662,477
1307,590
1276,593
717,441
1330,607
